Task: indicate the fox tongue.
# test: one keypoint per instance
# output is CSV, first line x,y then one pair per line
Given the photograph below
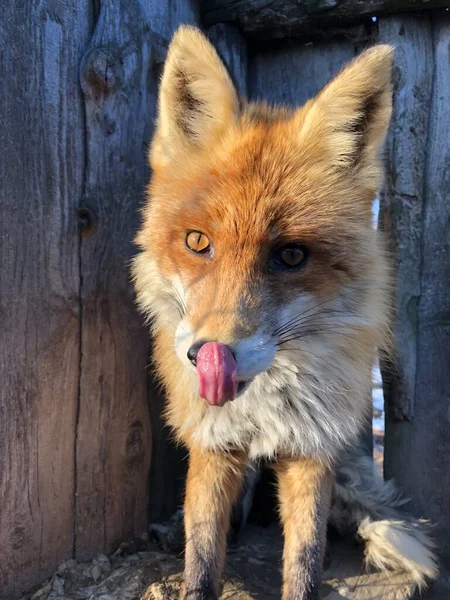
x,y
217,373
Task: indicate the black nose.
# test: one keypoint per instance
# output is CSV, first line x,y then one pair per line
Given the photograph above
x,y
193,351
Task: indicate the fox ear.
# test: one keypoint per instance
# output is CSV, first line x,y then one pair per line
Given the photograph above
x,y
197,98
350,116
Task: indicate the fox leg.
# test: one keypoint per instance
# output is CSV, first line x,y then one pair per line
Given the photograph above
x,y
304,493
213,484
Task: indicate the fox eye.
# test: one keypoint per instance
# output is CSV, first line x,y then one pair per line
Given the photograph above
x,y
197,242
288,258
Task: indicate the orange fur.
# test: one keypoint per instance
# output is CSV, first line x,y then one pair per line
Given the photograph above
x,y
305,495
254,179
207,515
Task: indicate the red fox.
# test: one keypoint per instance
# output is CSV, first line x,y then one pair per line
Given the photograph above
x,y
268,293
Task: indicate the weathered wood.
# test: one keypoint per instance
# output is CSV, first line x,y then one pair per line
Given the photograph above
x,y
120,76
416,214
308,19
41,179
165,17
401,209
113,435
290,76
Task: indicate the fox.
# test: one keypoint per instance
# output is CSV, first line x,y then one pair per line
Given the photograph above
x,y
268,294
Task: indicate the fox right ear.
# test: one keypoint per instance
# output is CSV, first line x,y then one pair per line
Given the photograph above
x,y
197,98
350,116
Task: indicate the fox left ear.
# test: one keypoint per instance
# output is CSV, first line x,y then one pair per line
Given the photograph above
x,y
349,118
197,98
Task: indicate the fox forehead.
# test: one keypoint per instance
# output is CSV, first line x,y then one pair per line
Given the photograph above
x,y
251,193
260,186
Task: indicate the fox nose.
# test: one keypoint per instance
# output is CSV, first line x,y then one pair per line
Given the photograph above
x,y
193,351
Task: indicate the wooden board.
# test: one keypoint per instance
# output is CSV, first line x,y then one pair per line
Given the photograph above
x,y
41,174
295,73
308,19
120,77
416,216
119,80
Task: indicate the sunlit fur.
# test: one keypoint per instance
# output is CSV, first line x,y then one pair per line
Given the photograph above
x,y
253,178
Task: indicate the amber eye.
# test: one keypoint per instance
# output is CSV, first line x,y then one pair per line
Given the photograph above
x,y
289,258
198,242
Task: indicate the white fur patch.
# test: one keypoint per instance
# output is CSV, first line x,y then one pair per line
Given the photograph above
x,y
286,410
399,546
184,338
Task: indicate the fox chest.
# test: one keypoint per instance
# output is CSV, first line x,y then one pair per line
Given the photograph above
x,y
274,418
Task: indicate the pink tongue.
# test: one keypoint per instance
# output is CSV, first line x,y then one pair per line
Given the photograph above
x,y
217,372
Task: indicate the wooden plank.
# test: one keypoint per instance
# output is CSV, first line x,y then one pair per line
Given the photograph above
x,y
416,216
295,73
309,19
168,465
41,174
165,17
401,209
120,75
113,435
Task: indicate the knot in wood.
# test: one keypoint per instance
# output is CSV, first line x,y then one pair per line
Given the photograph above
x,y
134,444
87,219
398,78
102,73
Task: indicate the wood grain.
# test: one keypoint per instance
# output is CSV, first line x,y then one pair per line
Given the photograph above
x,y
120,75
308,20
416,216
113,434
295,73
41,175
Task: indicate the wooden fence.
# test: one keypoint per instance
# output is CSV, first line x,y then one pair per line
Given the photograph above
x,y
80,422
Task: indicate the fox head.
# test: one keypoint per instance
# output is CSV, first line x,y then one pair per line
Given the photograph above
x,y
257,236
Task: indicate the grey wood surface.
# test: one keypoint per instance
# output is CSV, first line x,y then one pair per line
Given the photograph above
x,y
416,216
120,405
41,182
113,433
308,19
291,75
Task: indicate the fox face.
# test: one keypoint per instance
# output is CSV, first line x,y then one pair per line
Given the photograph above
x,y
257,249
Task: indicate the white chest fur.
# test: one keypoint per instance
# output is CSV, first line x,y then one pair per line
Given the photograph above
x,y
312,412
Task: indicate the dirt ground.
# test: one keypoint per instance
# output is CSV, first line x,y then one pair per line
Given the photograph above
x,y
151,569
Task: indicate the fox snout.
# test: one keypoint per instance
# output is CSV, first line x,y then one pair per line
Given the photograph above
x,y
224,370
